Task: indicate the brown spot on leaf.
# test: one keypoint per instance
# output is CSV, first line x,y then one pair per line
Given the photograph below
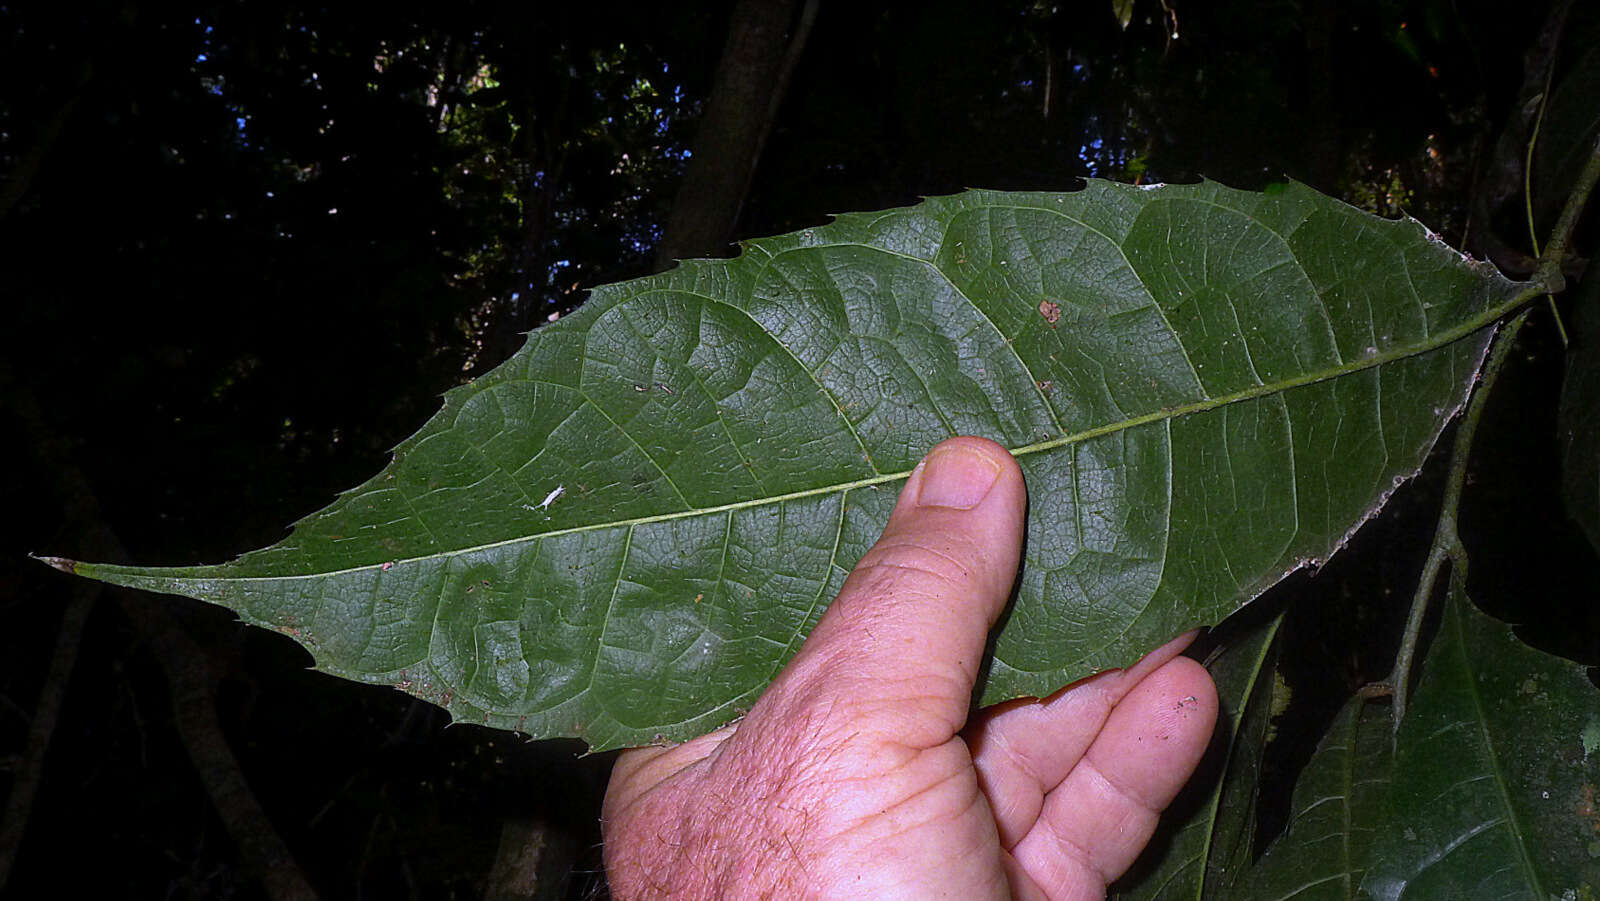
x,y
1586,807
1050,311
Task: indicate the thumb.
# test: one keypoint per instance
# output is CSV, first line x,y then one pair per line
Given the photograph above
x,y
899,651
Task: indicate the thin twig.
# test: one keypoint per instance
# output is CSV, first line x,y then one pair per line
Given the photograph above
x,y
1446,540
1555,251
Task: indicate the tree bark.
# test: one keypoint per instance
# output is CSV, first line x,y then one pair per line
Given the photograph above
x,y
193,689
764,42
534,862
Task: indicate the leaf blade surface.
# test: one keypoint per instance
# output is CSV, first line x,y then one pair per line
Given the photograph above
x,y
623,531
1337,805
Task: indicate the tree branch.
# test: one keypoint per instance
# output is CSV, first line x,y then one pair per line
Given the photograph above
x,y
533,863
1556,249
19,804
1446,539
193,687
192,684
744,99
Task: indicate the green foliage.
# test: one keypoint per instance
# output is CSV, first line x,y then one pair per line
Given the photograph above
x,y
1487,790
1336,808
1495,775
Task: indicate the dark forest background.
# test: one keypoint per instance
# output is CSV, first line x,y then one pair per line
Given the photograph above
x,y
245,247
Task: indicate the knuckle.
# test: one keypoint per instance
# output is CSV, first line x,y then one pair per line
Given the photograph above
x,y
899,562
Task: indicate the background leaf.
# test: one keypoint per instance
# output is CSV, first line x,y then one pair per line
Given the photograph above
x,y
622,532
1337,803
1572,119
1203,843
1496,771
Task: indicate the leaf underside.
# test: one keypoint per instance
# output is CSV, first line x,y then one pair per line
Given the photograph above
x,y
624,531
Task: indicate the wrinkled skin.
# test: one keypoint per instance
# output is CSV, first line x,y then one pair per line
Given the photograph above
x,y
858,775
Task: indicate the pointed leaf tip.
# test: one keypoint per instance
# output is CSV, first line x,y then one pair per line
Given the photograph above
x,y
61,563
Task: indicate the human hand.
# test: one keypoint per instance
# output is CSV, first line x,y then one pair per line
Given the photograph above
x,y
858,774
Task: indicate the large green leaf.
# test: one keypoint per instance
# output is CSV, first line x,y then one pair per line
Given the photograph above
x,y
1337,803
1496,772
1487,791
1203,844
627,528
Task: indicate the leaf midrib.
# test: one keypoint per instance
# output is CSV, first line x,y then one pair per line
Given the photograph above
x,y
1201,888
1438,340
1519,841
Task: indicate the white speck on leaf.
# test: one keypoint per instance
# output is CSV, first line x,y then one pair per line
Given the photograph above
x,y
550,498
